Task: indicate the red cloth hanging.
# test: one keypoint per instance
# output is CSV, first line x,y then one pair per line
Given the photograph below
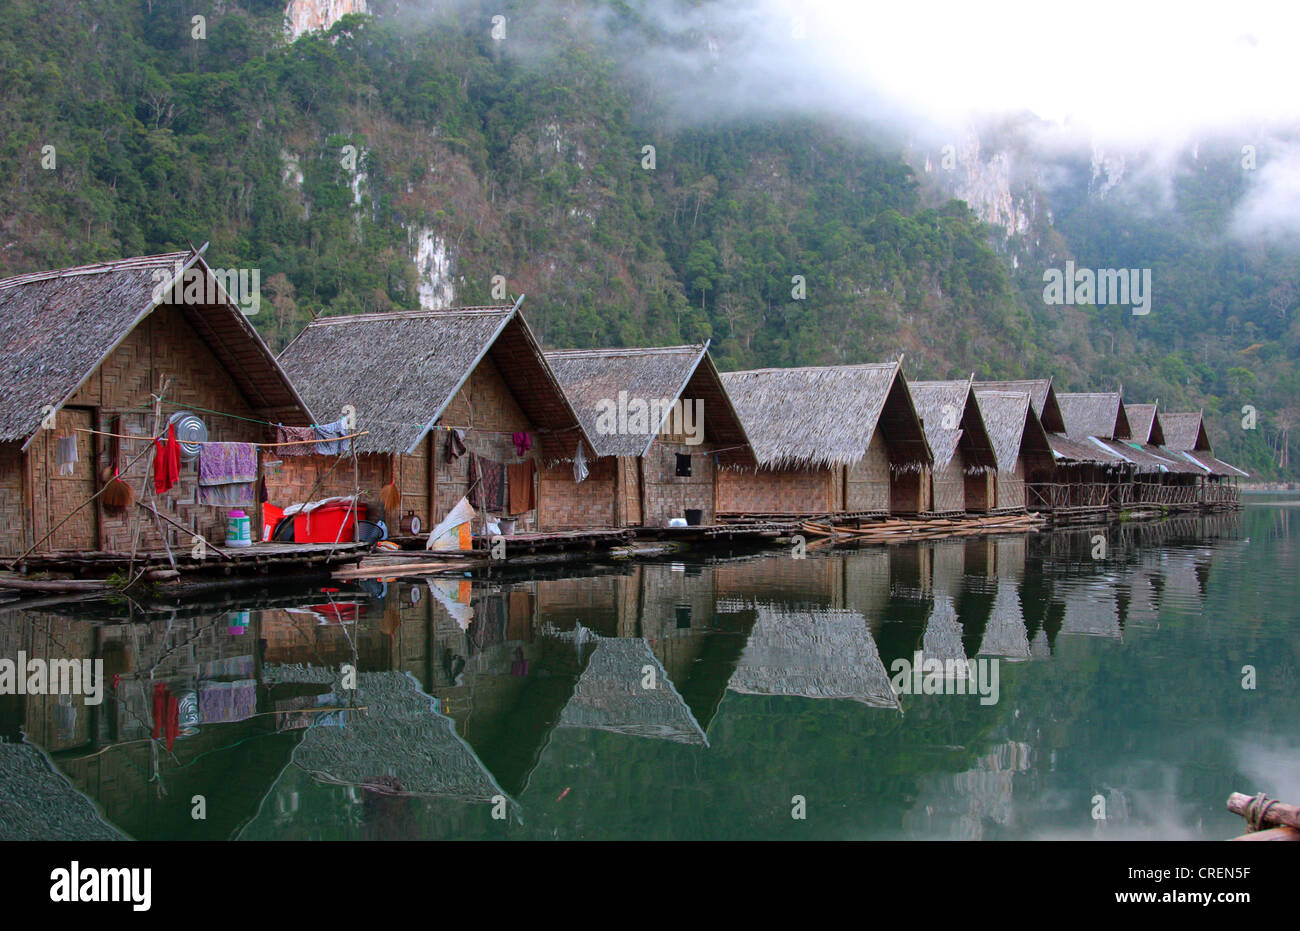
x,y
166,462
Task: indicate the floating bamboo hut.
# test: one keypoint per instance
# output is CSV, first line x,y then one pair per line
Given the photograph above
x,y
440,395
662,425
1020,446
965,465
95,361
842,441
1185,436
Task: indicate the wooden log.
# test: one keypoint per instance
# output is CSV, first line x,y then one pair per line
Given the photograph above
x,y
54,585
1278,813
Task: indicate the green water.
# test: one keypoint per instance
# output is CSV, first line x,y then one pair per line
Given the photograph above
x,y
714,695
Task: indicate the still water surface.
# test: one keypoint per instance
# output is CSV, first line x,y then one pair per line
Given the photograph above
x,y
711,696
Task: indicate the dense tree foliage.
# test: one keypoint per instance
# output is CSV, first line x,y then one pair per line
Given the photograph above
x,y
327,162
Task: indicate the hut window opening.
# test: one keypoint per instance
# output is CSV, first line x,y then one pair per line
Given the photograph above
x,y
683,465
683,617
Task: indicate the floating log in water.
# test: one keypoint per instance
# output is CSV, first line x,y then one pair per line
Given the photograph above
x,y
1266,818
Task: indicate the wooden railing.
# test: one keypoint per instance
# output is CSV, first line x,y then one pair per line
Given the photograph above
x,y
1067,496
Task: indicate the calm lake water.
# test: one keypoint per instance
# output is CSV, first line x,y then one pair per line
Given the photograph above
x,y
711,695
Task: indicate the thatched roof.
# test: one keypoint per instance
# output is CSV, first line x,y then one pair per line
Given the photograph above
x,y
594,380
1210,465
1014,429
609,696
400,370
1083,450
940,402
1041,395
1145,424
813,653
1185,431
57,327
1186,436
1145,458
1099,414
826,416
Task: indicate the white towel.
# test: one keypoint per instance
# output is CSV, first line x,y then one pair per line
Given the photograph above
x,y
580,471
67,455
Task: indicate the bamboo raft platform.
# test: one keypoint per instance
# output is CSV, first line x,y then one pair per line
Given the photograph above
x,y
1266,819
751,530
907,531
540,542
260,559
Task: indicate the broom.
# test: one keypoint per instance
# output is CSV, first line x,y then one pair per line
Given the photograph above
x,y
117,495
391,496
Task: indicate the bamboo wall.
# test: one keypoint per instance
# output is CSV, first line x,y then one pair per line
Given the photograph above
x,y
775,491
909,491
1011,488
980,491
484,405
867,484
665,494
948,485
566,505
164,345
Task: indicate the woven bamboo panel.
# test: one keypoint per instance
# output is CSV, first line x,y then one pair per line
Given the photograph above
x,y
566,505
774,491
948,485
487,409
1011,487
62,493
867,481
13,509
164,346
666,494
980,491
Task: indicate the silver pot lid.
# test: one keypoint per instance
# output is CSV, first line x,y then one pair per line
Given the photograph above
x,y
191,431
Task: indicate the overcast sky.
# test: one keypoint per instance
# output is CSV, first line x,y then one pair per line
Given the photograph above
x,y
1135,70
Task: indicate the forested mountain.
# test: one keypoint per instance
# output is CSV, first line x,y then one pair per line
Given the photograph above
x,y
407,158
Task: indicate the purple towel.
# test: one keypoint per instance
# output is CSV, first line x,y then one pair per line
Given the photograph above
x,y
228,474
224,463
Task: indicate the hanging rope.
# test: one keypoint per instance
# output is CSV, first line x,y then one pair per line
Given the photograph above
x,y
1257,811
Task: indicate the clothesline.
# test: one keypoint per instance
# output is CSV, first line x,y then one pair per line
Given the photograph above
x,y
150,439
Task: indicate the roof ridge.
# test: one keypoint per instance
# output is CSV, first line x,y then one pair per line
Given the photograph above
x,y
96,268
483,311
816,368
625,350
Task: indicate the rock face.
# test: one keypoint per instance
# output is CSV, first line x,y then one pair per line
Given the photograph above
x,y
303,16
433,266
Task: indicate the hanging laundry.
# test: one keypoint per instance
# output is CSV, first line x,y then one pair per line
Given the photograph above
x,y
228,475
580,470
166,462
488,486
523,442
520,479
455,444
295,435
329,434
66,452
